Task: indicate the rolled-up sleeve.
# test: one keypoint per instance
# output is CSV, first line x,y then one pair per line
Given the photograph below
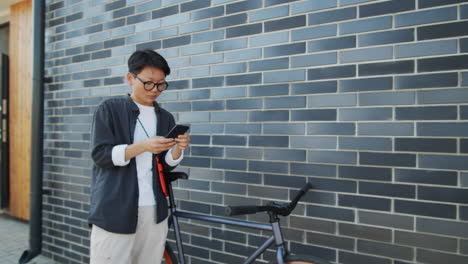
x,y
118,155
170,160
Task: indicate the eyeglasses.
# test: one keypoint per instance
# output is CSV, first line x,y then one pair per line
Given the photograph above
x,y
149,86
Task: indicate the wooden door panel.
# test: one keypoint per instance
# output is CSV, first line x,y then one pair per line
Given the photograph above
x,y
20,107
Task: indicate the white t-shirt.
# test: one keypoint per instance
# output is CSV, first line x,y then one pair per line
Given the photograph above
x,y
144,161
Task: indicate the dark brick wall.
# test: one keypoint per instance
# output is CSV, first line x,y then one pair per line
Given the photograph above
x,y
365,99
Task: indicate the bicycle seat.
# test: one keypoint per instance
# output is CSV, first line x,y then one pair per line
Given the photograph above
x,y
175,175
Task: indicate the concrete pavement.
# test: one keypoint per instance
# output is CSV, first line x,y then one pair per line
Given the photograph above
x,y
14,240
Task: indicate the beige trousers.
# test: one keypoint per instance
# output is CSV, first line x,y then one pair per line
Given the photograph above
x,y
145,246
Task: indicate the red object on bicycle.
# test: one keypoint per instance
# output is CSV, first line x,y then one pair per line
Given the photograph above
x,y
162,181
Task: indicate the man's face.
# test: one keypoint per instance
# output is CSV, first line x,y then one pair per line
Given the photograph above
x,y
148,74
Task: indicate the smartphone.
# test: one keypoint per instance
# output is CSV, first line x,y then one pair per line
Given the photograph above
x,y
177,130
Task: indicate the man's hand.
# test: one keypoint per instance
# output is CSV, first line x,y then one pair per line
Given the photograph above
x,y
158,144
182,143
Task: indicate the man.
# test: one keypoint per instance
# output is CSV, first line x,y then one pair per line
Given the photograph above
x,y
128,209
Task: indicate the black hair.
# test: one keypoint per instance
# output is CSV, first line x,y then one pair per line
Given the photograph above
x,y
147,58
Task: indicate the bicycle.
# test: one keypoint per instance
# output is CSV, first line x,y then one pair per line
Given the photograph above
x,y
283,256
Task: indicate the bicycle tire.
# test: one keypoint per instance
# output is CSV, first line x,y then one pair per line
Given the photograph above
x,y
303,259
169,256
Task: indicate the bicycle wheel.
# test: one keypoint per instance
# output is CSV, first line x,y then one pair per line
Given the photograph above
x,y
303,259
169,256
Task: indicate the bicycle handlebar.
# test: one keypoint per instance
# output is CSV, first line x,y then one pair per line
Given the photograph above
x,y
281,209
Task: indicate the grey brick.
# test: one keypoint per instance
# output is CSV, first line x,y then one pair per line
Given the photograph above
x,y
346,257
329,100
331,129
340,157
269,64
332,16
442,227
268,13
314,142
266,166
314,60
433,256
426,80
207,59
271,115
366,84
385,8
443,96
269,90
244,153
311,5
314,32
314,87
243,79
284,129
193,117
228,116
426,49
243,6
426,16
163,33
208,13
243,55
230,44
313,115
229,68
367,54
194,27
208,36
458,129
285,23
269,38
367,232
284,76
229,164
196,49
365,143
229,92
282,50
330,241
243,128
387,98
288,102
365,25
353,114
331,72
251,29
388,220
384,249
330,213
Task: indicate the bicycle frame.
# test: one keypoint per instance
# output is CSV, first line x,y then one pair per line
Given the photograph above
x,y
276,238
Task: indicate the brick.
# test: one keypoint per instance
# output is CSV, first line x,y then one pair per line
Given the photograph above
x,y
386,189
425,209
454,29
443,63
269,39
269,64
426,113
346,257
426,17
327,100
426,176
271,115
433,3
267,192
332,16
268,141
386,37
284,155
208,105
443,194
429,255
330,213
322,170
243,128
441,47
277,2
243,79
314,32
229,44
371,203
311,5
269,90
208,36
340,157
177,41
314,60
232,20
459,129
268,13
163,12
163,33
331,72
243,55
387,98
288,102
386,68
443,96
228,164
314,114
205,59
442,227
244,153
194,27
194,5
314,87
331,129
208,82
284,129
238,31
123,12
393,6
426,145
313,142
366,232
229,92
267,166
384,249
353,114
284,76
425,241
330,241
208,13
366,84
243,6
364,173
285,23
388,220
388,159
331,44
229,68
367,54
320,252
282,50
364,25
362,143
237,116
426,80
115,5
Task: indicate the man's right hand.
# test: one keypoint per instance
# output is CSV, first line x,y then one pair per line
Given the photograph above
x,y
158,144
